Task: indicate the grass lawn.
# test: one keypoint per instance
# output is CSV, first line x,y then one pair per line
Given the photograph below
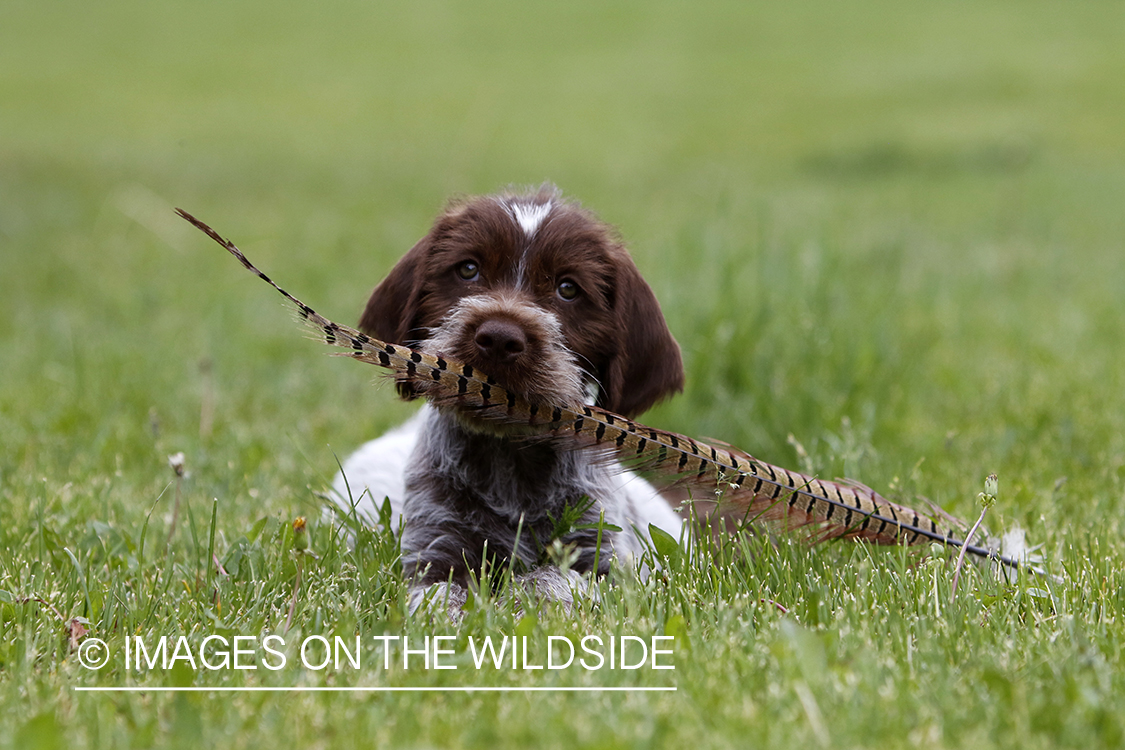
x,y
888,237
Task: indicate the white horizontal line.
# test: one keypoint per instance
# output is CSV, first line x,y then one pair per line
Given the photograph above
x,y
332,689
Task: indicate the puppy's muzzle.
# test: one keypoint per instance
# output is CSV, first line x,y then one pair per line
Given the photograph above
x,y
515,341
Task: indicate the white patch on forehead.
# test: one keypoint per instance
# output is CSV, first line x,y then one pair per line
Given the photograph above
x,y
529,215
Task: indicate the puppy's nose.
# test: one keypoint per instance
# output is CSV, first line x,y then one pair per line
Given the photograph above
x,y
500,341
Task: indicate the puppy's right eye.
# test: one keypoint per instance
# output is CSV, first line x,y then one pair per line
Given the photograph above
x,y
468,270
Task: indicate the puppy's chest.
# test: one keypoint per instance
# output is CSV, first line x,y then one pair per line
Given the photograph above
x,y
501,480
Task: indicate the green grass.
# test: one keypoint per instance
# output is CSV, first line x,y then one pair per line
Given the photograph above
x,y
891,232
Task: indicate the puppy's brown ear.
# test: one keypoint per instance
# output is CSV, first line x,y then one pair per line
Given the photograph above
x,y
647,366
392,309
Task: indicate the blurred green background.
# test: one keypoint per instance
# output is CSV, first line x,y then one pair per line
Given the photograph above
x,y
907,217
887,235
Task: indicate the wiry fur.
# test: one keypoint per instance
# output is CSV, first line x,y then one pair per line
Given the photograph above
x,y
475,492
548,372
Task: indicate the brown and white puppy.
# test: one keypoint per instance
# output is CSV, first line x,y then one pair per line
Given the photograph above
x,y
539,294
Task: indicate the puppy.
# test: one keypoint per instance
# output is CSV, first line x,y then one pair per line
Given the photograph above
x,y
536,292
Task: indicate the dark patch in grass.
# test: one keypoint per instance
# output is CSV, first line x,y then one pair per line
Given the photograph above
x,y
883,160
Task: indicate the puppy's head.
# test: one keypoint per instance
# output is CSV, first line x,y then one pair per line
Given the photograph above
x,y
537,293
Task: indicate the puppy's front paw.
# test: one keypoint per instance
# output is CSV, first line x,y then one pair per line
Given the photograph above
x,y
550,584
439,599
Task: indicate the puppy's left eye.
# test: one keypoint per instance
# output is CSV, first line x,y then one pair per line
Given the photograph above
x,y
469,270
567,289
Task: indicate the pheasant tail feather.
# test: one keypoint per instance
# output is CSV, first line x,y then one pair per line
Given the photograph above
x,y
755,489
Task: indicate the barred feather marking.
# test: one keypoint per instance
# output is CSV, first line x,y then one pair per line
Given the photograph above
x,y
667,454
